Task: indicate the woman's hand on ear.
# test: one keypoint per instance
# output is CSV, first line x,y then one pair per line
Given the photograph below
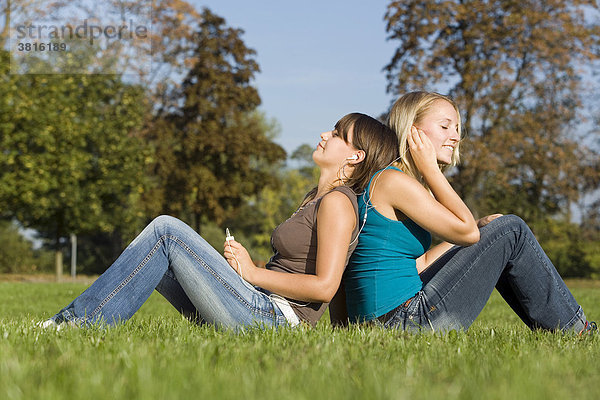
x,y
422,151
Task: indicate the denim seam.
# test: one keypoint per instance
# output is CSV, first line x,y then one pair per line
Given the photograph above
x,y
207,267
409,311
573,320
420,297
150,254
556,286
127,279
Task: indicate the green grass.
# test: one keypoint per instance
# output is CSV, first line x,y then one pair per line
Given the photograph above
x,y
159,355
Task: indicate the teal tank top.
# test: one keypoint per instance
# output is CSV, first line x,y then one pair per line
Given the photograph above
x,y
382,271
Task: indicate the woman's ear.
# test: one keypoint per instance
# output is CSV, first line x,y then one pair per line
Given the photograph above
x,y
358,157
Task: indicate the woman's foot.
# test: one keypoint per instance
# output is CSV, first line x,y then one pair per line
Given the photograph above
x,y
48,324
591,328
52,324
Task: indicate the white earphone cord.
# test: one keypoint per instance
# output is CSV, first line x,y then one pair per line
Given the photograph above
x,y
367,201
367,198
241,275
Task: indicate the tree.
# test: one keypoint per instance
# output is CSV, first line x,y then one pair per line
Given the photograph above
x,y
20,8
565,246
514,68
171,45
17,254
69,159
214,148
306,166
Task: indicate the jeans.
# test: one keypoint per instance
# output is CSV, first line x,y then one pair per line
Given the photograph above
x,y
508,257
172,258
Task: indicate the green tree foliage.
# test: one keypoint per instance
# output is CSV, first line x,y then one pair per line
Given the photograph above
x,y
170,45
214,148
69,162
306,166
565,246
252,223
97,250
211,149
515,69
20,8
263,212
17,254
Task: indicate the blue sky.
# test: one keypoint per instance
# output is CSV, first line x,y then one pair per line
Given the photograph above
x,y
319,60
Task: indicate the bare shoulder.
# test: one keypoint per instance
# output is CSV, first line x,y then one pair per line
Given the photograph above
x,y
337,210
397,190
336,198
394,180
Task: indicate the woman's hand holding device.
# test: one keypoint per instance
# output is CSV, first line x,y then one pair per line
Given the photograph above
x,y
238,257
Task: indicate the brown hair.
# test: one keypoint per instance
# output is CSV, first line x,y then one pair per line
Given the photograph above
x,y
378,142
376,139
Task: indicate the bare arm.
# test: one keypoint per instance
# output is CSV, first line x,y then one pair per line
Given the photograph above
x,y
403,193
431,255
443,214
454,210
336,220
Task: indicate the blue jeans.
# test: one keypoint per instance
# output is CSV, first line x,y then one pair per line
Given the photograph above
x,y
172,258
508,257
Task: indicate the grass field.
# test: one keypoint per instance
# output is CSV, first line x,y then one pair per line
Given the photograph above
x,y
159,355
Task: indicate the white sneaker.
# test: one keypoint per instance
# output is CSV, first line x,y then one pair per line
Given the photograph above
x,y
48,324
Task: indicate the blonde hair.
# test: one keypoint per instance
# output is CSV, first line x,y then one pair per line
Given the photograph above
x,y
409,110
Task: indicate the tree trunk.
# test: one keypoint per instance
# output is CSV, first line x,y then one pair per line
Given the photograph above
x,y
58,262
73,255
197,223
58,256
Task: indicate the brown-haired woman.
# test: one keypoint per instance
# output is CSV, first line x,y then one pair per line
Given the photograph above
x,y
311,250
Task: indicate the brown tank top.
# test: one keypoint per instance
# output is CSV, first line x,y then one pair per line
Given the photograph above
x,y
295,244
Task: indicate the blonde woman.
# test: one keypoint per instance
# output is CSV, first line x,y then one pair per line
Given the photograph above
x,y
403,205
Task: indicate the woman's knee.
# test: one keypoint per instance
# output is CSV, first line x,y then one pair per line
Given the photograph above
x,y
513,220
164,220
508,222
164,223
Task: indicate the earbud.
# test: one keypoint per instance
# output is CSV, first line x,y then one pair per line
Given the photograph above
x,y
354,157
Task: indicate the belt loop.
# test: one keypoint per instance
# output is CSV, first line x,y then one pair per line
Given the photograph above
x,y
388,315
